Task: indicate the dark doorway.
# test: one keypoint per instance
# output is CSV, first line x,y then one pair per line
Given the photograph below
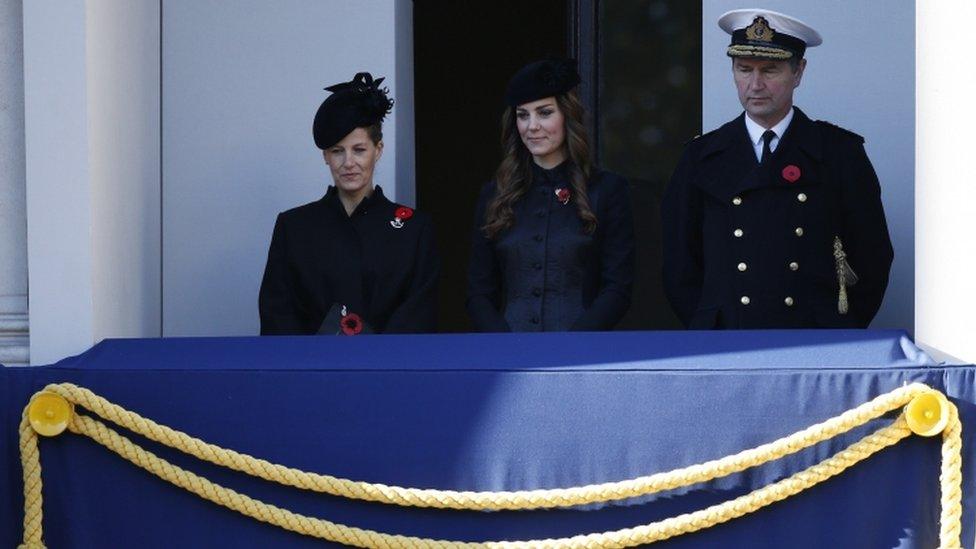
x,y
641,66
647,105
464,54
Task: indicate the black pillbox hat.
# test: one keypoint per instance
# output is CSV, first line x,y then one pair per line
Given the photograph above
x,y
546,78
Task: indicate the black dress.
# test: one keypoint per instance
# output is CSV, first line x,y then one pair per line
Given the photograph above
x,y
320,257
752,246
545,273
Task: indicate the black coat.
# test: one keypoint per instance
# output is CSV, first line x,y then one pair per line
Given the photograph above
x,y
319,256
545,273
735,231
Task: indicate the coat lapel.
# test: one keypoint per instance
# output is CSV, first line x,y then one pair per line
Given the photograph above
x,y
729,165
798,157
728,162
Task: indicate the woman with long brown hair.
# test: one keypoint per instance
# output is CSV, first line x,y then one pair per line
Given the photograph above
x,y
553,241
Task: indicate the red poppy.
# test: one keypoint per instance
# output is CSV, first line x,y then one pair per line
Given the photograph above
x,y
791,173
562,195
351,324
403,213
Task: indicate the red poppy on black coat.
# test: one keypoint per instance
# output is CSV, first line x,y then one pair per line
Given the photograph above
x,y
562,195
351,324
791,173
403,213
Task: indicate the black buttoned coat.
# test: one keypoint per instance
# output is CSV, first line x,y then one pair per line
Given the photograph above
x,y
746,247
545,273
320,256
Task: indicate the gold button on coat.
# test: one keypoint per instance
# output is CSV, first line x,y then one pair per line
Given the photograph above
x,y
801,197
737,200
738,233
788,301
742,267
799,231
745,300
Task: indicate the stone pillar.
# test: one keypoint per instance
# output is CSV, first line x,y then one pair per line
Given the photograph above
x,y
14,347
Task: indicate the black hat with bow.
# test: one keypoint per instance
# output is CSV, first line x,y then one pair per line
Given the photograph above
x,y
359,103
546,78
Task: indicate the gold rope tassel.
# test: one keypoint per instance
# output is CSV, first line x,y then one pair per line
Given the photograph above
x,y
950,479
840,259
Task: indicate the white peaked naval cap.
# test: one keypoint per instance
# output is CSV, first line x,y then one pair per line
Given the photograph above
x,y
767,34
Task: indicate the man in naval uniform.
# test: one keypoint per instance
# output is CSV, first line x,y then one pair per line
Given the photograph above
x,y
774,220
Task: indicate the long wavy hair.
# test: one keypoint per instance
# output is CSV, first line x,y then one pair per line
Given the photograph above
x,y
514,175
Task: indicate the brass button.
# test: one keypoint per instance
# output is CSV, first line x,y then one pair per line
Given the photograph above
x,y
738,233
788,301
737,200
745,300
802,197
742,267
794,266
799,231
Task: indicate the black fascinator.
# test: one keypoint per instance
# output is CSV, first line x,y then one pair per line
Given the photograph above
x,y
359,103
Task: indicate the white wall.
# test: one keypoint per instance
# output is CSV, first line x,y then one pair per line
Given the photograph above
x,y
862,78
241,83
91,120
13,208
123,102
945,211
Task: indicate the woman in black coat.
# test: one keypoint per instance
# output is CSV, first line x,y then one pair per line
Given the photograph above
x,y
553,239
352,262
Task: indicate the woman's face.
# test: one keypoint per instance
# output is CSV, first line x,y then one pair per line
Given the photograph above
x,y
352,161
541,127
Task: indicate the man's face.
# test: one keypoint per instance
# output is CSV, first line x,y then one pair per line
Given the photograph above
x,y
766,87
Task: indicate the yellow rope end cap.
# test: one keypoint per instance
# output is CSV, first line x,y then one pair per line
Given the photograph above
x,y
49,413
928,413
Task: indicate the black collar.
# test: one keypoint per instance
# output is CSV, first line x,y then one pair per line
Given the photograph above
x,y
375,199
801,130
554,176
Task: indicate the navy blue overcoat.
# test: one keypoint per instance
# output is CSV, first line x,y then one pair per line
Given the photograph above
x,y
752,246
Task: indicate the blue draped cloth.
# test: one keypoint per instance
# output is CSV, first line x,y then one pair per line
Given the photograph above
x,y
492,412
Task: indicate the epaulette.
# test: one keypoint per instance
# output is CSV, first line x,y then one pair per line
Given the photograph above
x,y
844,131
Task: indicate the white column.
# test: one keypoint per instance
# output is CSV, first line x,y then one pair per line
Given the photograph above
x,y
945,190
92,169
13,211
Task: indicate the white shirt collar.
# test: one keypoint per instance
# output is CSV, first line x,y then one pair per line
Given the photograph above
x,y
756,131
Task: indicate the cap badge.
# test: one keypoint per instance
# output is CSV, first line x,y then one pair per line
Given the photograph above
x,y
759,30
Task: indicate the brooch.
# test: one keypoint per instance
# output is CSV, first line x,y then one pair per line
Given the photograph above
x,y
791,173
350,323
562,195
401,214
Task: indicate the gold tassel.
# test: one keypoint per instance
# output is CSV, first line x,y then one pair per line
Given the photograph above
x,y
840,259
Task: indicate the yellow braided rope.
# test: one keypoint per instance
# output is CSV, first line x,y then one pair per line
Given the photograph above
x,y
30,459
950,480
519,500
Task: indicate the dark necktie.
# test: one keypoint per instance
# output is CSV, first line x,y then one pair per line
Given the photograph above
x,y
767,137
